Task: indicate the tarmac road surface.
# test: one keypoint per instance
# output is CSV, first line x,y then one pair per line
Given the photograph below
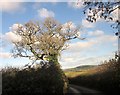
x,y
79,90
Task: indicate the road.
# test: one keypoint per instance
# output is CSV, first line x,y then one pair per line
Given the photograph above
x,y
78,90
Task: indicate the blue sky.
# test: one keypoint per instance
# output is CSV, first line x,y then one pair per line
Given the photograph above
x,y
99,45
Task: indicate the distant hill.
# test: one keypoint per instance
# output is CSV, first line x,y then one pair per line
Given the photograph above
x,y
104,77
80,68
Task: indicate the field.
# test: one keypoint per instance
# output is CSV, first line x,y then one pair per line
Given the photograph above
x,y
105,77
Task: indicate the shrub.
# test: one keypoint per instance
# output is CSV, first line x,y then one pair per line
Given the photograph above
x,y
34,81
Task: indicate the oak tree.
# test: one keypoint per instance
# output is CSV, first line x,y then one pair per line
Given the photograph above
x,y
44,39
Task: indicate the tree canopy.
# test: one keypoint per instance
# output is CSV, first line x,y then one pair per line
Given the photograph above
x,y
44,39
108,11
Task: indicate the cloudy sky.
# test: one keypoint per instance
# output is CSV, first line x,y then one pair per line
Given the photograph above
x,y
99,45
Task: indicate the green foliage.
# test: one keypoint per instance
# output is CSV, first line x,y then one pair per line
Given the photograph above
x,y
34,81
106,79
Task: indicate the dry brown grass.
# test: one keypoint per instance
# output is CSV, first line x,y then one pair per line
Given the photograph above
x,y
95,70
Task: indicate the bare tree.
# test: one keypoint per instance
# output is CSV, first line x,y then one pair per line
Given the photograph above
x,y
45,39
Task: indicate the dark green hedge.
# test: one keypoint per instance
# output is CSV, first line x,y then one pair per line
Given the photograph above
x,y
34,81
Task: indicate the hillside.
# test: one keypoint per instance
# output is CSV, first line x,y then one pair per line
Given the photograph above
x,y
105,77
80,68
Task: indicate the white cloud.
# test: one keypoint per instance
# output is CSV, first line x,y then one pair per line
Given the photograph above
x,y
1,35
57,0
47,1
12,1
10,7
107,39
115,44
69,25
43,13
99,39
79,59
5,55
87,24
95,60
84,52
68,59
15,27
96,33
76,4
80,46
11,36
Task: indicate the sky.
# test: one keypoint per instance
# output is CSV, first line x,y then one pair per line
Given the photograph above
x,y
100,43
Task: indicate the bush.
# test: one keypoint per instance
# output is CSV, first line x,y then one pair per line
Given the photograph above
x,y
34,81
